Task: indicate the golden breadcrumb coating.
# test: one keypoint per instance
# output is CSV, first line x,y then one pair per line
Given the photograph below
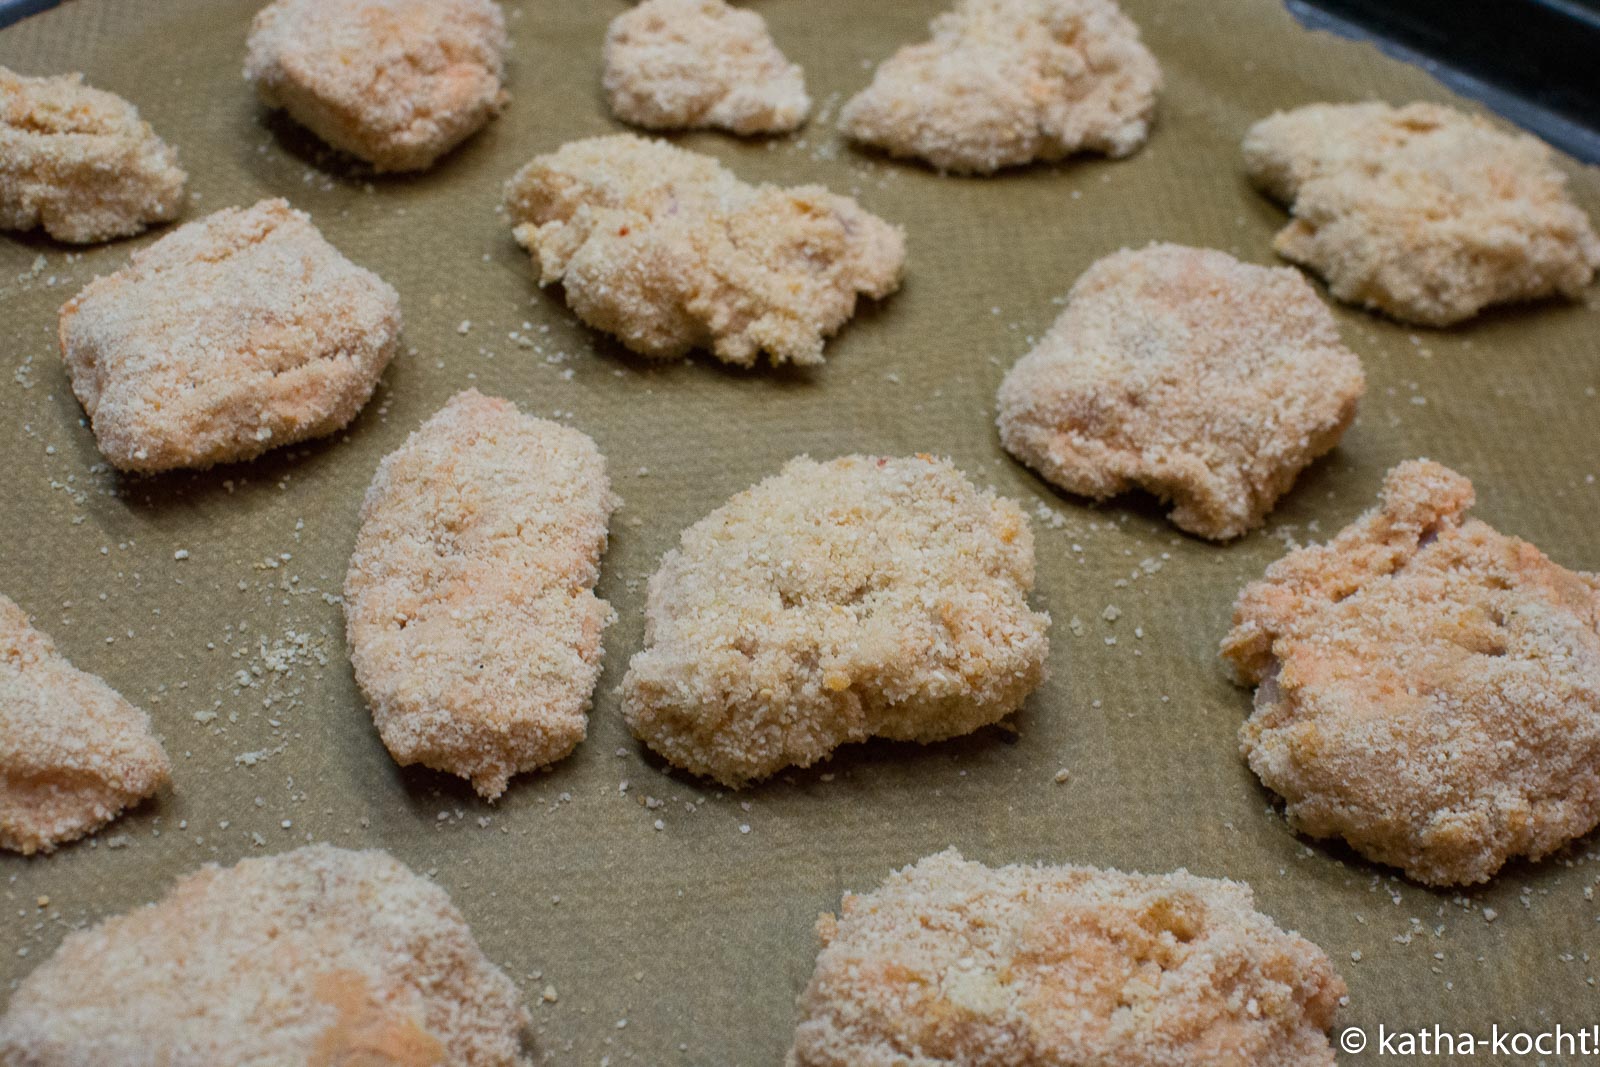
x,y
73,752
319,957
668,251
953,963
80,162
831,603
237,333
1429,689
1421,212
397,83
1209,382
473,624
1006,82
681,64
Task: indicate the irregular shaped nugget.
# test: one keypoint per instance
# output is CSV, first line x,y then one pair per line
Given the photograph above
x,y
1421,212
680,64
237,333
831,603
1209,382
668,251
320,956
397,83
1006,82
473,624
954,963
73,752
1429,689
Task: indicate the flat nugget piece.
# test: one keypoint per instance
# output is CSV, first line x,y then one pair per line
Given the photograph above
x,y
1209,382
668,251
953,963
81,162
73,752
1428,689
834,602
1421,212
470,606
320,956
681,64
1007,82
237,333
397,83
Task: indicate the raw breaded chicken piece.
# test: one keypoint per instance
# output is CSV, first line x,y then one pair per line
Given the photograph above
x,y
73,752
397,83
1421,212
681,64
473,624
1006,82
668,251
834,602
81,162
953,964
320,956
1209,382
1428,689
238,333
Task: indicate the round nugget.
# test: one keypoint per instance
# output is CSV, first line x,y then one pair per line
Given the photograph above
x,y
470,606
680,64
80,162
319,956
1209,382
397,83
954,963
1421,212
668,251
1428,688
831,603
237,333
1006,82
73,752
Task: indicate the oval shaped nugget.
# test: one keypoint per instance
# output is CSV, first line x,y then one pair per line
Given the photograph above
x,y
834,602
321,956
469,604
972,966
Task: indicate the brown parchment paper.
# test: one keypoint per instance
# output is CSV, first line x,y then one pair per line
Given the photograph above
x,y
699,935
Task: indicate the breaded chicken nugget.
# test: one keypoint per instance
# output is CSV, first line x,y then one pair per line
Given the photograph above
x,y
320,956
668,251
237,333
73,752
1006,82
954,963
1421,212
473,624
680,64
80,162
1429,689
831,603
1209,382
397,83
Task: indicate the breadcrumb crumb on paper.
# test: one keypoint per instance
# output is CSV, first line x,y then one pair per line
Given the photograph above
x,y
320,956
668,251
682,64
1422,212
833,602
1007,82
473,625
1209,382
1427,689
73,752
953,963
80,162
